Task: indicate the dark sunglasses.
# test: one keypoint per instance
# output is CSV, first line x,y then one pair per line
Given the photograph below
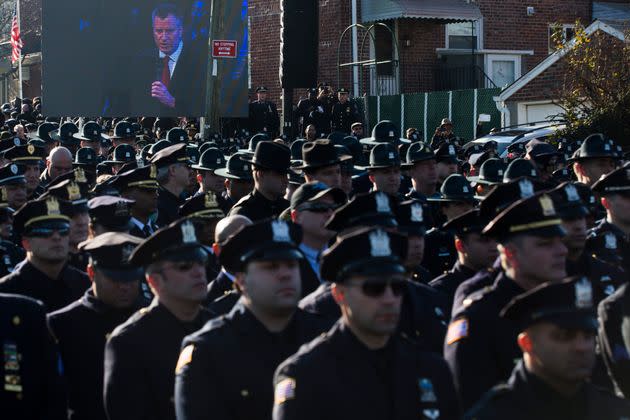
x,y
318,207
185,265
376,288
47,233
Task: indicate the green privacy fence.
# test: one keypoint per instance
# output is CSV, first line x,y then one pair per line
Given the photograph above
x,y
424,111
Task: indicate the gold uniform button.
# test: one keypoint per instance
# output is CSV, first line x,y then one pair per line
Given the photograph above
x,y
16,320
244,393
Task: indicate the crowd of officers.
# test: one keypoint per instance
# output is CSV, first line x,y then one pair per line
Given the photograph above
x,y
150,273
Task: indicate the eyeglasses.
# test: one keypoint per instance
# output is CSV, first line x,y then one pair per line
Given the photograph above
x,y
318,207
376,288
47,233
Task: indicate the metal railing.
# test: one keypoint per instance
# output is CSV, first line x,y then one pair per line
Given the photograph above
x,y
462,77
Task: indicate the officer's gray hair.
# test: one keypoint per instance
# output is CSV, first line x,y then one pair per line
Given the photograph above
x,y
162,174
166,9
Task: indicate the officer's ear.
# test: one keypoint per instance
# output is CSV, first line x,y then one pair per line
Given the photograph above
x,y
338,293
199,177
239,280
226,183
524,342
605,202
294,216
26,244
459,245
90,272
216,249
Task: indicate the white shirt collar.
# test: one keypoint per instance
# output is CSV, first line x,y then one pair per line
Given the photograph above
x,y
176,54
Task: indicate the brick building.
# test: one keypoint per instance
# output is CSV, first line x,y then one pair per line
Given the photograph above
x,y
495,42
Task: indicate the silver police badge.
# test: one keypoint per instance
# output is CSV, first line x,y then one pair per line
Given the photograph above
x,y
526,187
280,231
583,294
427,393
417,213
382,203
188,233
572,194
611,241
379,244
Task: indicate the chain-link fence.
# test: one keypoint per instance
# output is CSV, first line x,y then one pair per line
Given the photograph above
x,y
424,111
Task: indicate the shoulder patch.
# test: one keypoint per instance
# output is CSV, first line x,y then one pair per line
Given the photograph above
x,y
457,330
285,390
185,357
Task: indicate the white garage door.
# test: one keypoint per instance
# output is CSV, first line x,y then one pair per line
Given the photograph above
x,y
541,112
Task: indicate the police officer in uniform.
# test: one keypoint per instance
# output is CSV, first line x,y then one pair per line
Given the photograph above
x,y
304,109
173,175
613,337
480,347
344,112
263,114
10,253
558,326
380,374
270,165
596,157
142,353
82,327
384,169
141,186
45,274
265,259
209,181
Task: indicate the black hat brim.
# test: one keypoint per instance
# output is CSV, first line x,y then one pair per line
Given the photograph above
x,y
223,172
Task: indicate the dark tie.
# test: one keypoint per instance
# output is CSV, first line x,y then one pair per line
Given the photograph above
x,y
166,73
146,230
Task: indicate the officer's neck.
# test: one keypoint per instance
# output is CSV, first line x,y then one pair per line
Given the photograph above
x,y
173,188
610,218
50,268
519,278
425,189
273,322
371,341
568,388
183,310
266,193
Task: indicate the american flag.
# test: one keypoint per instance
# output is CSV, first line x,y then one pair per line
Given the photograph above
x,y
16,40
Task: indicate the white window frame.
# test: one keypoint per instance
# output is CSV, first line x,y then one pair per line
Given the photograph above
x,y
478,28
564,26
517,59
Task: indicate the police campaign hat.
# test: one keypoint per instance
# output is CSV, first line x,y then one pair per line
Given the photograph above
x,y
85,157
204,206
516,150
206,145
159,146
568,304
296,177
384,155
177,135
111,212
144,177
375,208
91,132
310,192
490,173
123,153
263,241
170,155
319,154
211,159
568,201
109,253
261,89
447,152
455,188
418,152
65,133
43,213
469,222
540,151
12,174
410,218
615,182
43,132
193,153
270,155
595,146
536,215
518,168
236,168
253,143
178,241
123,130
296,149
587,197
561,175
28,154
369,251
384,132
343,90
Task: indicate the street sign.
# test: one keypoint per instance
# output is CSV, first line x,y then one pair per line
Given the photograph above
x,y
223,49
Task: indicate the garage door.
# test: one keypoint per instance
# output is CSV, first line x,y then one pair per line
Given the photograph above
x,y
541,112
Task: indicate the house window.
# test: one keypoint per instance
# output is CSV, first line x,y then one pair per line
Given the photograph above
x,y
463,35
566,31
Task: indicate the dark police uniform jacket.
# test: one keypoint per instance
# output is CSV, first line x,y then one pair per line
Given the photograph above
x,y
257,207
480,347
31,385
263,117
527,397
615,353
439,252
140,360
167,205
606,277
81,330
209,386
482,280
396,382
218,287
54,293
10,256
607,242
343,116
448,282
422,319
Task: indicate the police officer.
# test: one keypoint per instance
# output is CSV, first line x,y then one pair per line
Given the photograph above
x,y
45,274
480,347
264,258
410,218
596,157
10,254
208,180
239,180
109,214
90,135
32,386
384,169
270,165
421,167
82,327
446,161
123,134
490,174
142,353
173,175
13,184
123,154
614,335
557,329
31,157
380,374
141,186
320,162
344,112
304,109
609,240
263,114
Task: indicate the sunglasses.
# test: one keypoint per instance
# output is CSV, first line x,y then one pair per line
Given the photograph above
x,y
318,207
47,233
185,265
376,288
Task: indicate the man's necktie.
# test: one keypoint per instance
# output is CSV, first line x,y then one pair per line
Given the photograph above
x,y
166,72
146,230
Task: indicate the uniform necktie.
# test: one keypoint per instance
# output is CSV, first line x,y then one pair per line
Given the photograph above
x,y
146,230
166,72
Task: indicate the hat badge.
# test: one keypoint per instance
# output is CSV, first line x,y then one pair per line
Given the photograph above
x,y
52,206
547,206
379,244
188,232
382,203
451,149
526,187
5,197
280,231
121,209
572,194
391,133
16,141
79,175
391,155
14,169
583,294
210,200
611,241
74,192
417,213
153,172
126,252
30,149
